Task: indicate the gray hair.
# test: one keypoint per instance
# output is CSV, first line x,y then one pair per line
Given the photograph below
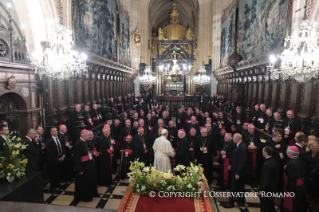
x,y
30,130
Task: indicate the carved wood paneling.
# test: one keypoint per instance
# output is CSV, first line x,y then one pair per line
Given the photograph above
x,y
275,89
306,99
295,95
282,94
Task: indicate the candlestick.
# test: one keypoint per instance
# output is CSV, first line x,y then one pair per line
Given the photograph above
x,y
23,31
9,7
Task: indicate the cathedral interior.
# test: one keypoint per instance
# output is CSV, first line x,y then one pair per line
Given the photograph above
x,y
127,56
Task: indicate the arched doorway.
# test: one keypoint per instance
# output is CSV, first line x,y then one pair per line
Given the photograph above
x,y
10,103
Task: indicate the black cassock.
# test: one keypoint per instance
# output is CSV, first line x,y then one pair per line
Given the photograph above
x,y
128,157
293,126
228,147
295,173
268,183
125,131
139,150
95,117
172,132
182,152
111,106
85,186
75,121
68,162
254,157
191,143
204,152
238,119
106,160
86,117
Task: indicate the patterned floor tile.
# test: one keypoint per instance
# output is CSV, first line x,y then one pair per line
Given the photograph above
x,y
119,190
101,189
46,197
91,204
63,200
70,187
112,204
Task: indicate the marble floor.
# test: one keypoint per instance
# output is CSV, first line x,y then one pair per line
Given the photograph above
x,y
107,198
252,203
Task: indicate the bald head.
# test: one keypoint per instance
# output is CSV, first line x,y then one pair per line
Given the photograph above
x,y
237,138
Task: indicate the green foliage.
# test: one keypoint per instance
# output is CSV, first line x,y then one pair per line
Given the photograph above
x,y
12,161
145,179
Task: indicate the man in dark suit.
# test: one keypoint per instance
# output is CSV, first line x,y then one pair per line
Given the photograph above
x,y
279,148
268,181
31,152
40,145
4,132
238,168
148,100
55,150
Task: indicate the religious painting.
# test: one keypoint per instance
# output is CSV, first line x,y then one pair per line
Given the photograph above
x,y
94,23
261,27
228,33
124,21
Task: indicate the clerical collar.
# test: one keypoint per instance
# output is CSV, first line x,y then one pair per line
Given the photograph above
x,y
61,133
239,143
30,139
298,145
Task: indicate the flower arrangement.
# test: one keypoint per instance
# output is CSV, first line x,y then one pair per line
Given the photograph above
x,y
12,162
145,179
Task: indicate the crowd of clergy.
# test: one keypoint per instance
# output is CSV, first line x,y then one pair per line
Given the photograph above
x,y
219,139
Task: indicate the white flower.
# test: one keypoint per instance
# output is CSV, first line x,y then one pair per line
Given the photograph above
x,y
9,174
18,173
189,186
138,190
195,168
169,188
146,169
177,168
23,147
137,186
17,145
193,188
143,188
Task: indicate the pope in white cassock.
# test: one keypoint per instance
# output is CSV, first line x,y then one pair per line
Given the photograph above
x,y
163,150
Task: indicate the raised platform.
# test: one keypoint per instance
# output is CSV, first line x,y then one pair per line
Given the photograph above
x,y
156,202
27,189
174,98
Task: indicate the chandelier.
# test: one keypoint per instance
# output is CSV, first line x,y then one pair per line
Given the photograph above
x,y
58,59
180,69
147,78
201,78
299,60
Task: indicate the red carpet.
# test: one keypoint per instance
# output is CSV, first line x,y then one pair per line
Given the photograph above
x,y
134,202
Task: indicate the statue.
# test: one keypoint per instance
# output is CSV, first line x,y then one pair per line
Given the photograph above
x,y
160,49
189,34
161,34
189,48
11,83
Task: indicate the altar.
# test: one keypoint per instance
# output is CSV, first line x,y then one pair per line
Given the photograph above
x,y
158,202
27,189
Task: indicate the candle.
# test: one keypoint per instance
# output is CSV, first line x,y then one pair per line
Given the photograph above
x,y
9,6
23,31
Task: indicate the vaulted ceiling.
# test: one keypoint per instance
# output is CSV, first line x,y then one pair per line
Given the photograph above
x,y
160,12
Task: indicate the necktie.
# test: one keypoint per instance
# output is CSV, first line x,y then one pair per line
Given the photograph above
x,y
40,138
59,146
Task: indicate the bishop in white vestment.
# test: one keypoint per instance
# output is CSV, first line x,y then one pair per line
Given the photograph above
x,y
163,150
